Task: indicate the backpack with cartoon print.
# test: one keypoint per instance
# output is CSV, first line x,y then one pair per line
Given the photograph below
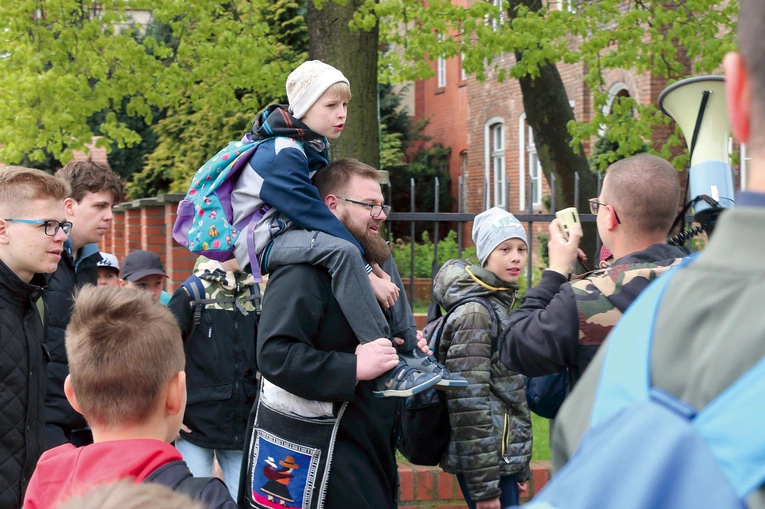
x,y
205,217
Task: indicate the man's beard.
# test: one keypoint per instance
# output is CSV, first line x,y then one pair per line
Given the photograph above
x,y
375,249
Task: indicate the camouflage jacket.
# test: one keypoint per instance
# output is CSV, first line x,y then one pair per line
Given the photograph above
x,y
490,422
562,324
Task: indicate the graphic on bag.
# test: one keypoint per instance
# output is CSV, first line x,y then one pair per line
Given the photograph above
x,y
284,474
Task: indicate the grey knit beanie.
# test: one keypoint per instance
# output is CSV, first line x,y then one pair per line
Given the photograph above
x,y
493,227
308,82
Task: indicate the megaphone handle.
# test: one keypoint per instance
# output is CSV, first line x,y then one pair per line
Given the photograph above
x,y
702,108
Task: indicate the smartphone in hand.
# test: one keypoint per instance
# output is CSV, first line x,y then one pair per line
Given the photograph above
x,y
568,218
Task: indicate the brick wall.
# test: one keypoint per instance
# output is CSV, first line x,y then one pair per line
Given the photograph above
x,y
432,488
148,224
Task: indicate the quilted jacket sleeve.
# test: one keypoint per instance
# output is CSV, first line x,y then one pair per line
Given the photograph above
x,y
473,438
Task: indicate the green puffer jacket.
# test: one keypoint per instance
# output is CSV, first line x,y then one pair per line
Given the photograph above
x,y
491,425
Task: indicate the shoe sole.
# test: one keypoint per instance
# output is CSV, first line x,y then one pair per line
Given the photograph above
x,y
452,383
405,393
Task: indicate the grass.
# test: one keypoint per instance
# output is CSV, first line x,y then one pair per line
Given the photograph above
x,y
541,430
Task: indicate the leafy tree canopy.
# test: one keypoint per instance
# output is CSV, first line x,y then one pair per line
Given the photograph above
x,y
673,39
62,61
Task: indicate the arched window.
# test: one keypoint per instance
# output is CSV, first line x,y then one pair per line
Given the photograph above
x,y
529,166
495,189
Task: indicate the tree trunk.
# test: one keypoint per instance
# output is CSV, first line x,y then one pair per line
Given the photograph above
x,y
548,112
354,53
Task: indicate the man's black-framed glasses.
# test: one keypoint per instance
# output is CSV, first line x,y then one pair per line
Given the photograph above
x,y
595,206
51,225
374,209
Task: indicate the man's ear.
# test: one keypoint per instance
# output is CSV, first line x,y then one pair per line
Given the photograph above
x,y
69,204
176,394
737,88
611,221
70,395
332,202
4,237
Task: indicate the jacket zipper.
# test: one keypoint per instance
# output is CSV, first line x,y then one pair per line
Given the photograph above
x,y
506,439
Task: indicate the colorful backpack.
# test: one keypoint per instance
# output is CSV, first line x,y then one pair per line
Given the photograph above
x,y
647,449
205,217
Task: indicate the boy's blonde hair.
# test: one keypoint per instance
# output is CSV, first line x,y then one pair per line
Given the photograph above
x,y
126,494
123,346
340,90
19,185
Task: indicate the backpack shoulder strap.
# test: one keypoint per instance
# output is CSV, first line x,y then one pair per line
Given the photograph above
x,y
492,320
626,373
196,290
169,474
194,486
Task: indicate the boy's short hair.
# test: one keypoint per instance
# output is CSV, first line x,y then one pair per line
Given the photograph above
x,y
333,178
645,191
19,185
340,90
126,494
90,177
123,347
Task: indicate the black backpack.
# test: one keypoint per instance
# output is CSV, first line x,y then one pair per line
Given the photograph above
x,y
195,289
424,428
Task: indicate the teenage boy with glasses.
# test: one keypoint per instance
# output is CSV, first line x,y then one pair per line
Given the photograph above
x,y
32,235
560,323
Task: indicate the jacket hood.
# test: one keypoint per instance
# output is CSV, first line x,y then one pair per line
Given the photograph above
x,y
211,270
458,279
67,470
276,120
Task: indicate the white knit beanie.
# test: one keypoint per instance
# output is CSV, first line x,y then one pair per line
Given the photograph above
x,y
493,227
308,82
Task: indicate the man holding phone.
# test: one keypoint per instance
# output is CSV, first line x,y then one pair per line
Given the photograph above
x,y
560,323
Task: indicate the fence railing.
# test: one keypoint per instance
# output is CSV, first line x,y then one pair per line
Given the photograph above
x,y
437,218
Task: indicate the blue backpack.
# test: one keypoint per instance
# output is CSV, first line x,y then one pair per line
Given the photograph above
x,y
647,449
205,217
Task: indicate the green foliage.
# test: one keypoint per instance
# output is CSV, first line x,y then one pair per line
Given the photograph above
x,y
669,39
544,254
187,139
605,151
194,131
68,60
423,254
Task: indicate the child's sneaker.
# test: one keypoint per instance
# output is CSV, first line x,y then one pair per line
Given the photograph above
x,y
428,364
403,381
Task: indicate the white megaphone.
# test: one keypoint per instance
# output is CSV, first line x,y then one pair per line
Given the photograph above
x,y
698,106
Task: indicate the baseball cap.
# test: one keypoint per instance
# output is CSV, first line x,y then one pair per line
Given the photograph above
x,y
139,264
109,261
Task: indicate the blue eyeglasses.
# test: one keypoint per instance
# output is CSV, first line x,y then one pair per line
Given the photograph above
x,y
51,225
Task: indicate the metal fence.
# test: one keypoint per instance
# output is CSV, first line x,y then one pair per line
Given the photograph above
x,y
529,217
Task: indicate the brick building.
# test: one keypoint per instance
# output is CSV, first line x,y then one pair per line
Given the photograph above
x,y
492,145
